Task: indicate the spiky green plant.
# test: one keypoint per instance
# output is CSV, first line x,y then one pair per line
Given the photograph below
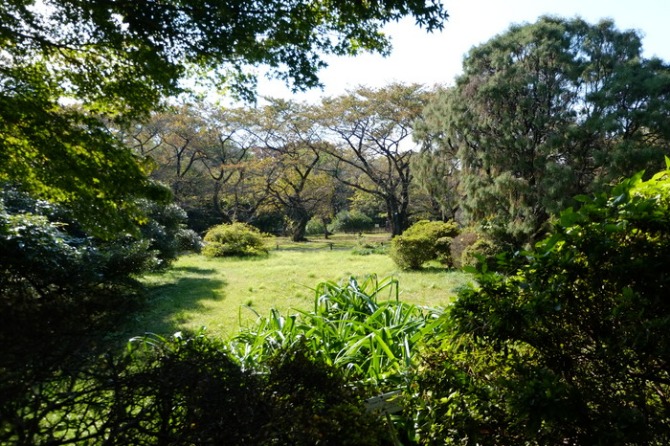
x,y
350,327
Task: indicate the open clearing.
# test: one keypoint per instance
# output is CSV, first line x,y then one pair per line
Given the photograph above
x,y
226,294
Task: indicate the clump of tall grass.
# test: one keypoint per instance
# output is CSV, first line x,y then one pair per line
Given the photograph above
x,y
363,248
361,328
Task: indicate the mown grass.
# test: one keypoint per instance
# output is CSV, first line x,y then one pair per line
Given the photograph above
x,y
226,294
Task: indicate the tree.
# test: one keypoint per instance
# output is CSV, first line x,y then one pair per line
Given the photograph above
x,y
290,152
371,130
572,348
436,166
118,59
547,111
200,151
180,144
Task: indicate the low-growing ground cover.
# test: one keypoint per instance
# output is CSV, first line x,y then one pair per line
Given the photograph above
x,y
226,294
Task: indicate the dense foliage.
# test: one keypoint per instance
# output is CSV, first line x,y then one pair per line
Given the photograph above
x,y
424,241
116,61
361,329
63,291
573,347
351,221
570,347
235,239
541,113
188,390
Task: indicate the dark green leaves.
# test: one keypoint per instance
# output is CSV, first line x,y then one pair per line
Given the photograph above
x,y
573,347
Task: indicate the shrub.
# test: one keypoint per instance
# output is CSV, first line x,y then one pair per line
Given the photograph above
x,y
231,240
410,252
189,391
467,237
482,250
315,227
573,347
424,241
162,229
189,240
351,221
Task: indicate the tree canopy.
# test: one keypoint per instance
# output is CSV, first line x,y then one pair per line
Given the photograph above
x,y
118,59
544,112
372,129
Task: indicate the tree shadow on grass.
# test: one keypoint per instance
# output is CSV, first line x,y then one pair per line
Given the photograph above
x,y
167,305
193,270
431,269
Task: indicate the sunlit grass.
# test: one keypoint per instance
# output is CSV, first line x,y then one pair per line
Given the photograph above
x,y
226,294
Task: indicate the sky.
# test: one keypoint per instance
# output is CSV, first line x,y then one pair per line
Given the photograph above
x,y
420,57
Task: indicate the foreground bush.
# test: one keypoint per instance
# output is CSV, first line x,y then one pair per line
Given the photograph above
x,y
188,391
574,348
236,239
422,242
62,289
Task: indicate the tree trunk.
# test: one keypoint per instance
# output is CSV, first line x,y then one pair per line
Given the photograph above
x,y
299,218
397,216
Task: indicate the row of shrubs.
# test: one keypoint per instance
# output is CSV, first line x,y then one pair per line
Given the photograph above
x,y
424,241
444,242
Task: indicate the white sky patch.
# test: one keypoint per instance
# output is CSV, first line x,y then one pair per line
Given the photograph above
x,y
419,57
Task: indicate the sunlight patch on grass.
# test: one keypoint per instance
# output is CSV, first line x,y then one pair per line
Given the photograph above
x,y
224,294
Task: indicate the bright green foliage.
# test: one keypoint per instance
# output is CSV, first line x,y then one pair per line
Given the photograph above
x,y
410,252
574,347
68,157
369,339
236,239
424,241
544,112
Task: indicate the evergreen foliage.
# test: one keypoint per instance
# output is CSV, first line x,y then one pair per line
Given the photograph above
x,y
541,113
351,221
572,348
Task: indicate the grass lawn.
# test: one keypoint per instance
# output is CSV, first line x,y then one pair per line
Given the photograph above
x,y
226,293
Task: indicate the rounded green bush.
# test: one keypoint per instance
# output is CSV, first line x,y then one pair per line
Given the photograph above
x,y
315,227
424,241
233,240
410,252
461,242
483,249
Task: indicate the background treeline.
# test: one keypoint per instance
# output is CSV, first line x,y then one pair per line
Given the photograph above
x,y
541,114
280,165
